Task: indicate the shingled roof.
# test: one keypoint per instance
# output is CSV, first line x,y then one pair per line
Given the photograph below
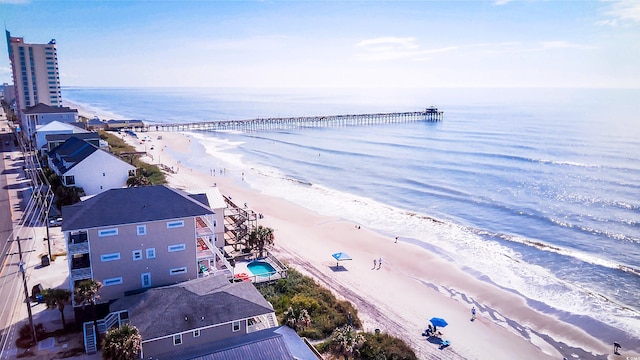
x,y
72,151
281,343
41,108
130,206
191,305
81,136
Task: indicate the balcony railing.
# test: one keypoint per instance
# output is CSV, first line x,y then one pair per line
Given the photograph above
x,y
80,274
204,226
79,248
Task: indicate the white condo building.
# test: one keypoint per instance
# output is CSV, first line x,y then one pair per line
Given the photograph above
x,y
35,73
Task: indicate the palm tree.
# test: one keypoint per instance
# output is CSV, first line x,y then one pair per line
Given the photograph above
x,y
297,318
138,180
86,292
261,237
123,343
346,340
57,298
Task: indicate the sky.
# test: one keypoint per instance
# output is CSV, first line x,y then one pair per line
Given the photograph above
x,y
335,44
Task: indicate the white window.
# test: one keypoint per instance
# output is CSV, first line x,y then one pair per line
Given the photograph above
x,y
110,257
196,333
177,247
112,281
176,271
146,280
151,253
108,232
177,339
137,255
236,326
175,224
141,230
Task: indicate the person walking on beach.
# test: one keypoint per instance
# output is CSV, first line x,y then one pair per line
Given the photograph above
x,y
374,263
473,313
379,263
396,239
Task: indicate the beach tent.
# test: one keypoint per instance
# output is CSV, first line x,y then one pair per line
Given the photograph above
x,y
341,256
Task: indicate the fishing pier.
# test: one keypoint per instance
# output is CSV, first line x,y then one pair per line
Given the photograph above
x,y
430,114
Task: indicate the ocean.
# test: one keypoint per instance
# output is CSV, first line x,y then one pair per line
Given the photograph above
x,y
536,191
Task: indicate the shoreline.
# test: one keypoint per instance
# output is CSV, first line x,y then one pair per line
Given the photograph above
x,y
305,240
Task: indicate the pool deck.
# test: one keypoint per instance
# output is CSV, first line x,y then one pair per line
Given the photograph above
x,y
241,268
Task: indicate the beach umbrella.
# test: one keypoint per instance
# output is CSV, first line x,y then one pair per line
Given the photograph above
x,y
439,322
341,256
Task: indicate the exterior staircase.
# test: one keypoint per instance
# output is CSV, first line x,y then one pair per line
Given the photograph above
x,y
271,320
89,338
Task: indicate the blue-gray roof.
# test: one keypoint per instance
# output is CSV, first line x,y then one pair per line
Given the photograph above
x,y
281,343
41,108
123,206
191,305
83,136
72,151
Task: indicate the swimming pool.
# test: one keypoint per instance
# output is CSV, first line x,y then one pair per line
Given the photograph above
x,y
261,268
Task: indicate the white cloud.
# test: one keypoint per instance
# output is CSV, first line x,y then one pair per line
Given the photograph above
x,y
388,42
394,48
501,2
561,44
622,13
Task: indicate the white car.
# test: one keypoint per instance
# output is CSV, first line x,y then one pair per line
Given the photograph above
x,y
55,222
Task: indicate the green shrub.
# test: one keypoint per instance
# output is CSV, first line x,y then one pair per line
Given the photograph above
x,y
327,314
298,291
118,146
384,346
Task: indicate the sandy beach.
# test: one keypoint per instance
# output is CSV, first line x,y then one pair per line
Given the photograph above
x,y
411,286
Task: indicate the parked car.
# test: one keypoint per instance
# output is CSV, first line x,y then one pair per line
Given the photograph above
x,y
55,222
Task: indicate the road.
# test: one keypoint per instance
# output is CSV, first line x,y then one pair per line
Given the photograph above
x,y
10,280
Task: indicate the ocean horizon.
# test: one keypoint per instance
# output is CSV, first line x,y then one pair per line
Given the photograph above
x,y
534,191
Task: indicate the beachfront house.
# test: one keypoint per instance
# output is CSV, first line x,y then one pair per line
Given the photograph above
x,y
55,140
131,239
114,125
81,164
55,128
42,114
209,317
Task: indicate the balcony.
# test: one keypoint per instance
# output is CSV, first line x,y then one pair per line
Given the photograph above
x,y
78,244
203,250
262,322
80,267
204,226
81,274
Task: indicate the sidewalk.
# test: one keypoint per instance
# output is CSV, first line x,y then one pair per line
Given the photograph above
x,y
56,275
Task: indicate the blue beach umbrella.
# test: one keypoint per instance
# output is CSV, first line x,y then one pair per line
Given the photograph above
x,y
439,322
341,256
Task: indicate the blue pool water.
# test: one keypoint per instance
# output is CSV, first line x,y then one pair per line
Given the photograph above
x,y
261,268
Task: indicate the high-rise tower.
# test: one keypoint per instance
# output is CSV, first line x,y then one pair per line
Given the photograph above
x,y
35,73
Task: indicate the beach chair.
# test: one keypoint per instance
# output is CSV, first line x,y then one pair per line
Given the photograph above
x,y
444,344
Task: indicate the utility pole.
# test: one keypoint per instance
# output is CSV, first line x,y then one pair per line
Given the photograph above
x,y
47,207
26,290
